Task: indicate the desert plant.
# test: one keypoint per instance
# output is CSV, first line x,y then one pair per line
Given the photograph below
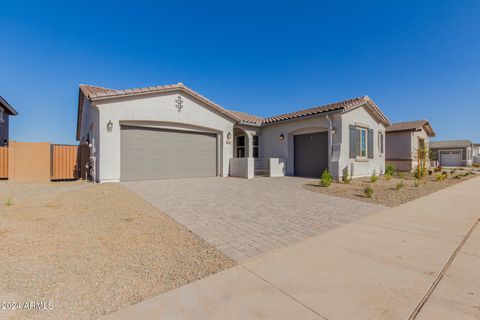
x,y
8,202
387,176
438,169
374,177
368,192
326,179
399,186
401,175
476,165
430,172
345,178
440,176
390,169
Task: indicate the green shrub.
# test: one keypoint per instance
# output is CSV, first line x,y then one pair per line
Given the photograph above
x,y
326,179
374,177
390,169
368,192
8,202
401,175
399,186
387,176
440,176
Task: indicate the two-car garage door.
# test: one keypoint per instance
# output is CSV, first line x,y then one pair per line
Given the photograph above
x,y
150,153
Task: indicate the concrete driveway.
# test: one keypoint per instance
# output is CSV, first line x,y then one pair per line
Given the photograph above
x,y
246,218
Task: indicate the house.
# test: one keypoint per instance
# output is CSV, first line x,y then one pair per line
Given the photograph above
x,y
6,110
172,131
476,153
454,153
403,142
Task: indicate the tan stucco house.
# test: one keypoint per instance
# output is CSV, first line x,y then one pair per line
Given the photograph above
x,y
453,153
172,131
6,110
403,140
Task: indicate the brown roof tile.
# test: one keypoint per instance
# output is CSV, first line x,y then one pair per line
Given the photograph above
x,y
412,126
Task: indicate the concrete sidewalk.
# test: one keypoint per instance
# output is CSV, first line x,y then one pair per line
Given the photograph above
x,y
384,266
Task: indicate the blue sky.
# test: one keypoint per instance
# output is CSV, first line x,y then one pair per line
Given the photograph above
x,y
415,59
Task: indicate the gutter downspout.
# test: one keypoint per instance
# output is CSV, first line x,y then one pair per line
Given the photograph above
x,y
330,142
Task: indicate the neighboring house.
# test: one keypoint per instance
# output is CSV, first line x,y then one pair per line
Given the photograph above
x,y
6,110
476,153
403,140
455,153
172,131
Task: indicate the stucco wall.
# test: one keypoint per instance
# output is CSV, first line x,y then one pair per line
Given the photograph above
x,y
361,167
271,146
156,110
398,145
4,129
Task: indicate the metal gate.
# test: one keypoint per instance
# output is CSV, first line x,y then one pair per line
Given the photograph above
x,y
64,162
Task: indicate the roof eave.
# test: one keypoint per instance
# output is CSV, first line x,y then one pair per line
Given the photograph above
x,y
10,110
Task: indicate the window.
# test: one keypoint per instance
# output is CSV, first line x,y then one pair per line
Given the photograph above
x,y
1,115
241,147
362,143
255,146
380,142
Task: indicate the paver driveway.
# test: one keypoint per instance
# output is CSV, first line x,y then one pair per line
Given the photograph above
x,y
245,218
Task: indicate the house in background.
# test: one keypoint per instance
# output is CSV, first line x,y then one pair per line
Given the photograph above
x,y
476,153
403,140
454,153
6,110
172,131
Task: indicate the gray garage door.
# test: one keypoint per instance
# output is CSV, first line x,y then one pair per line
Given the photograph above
x,y
311,154
148,154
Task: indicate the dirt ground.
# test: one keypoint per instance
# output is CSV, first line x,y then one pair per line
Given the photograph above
x,y
91,249
385,191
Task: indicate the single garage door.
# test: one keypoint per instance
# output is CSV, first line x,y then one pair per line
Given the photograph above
x,y
451,158
310,154
149,154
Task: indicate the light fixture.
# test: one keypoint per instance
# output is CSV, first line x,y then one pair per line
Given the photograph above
x,y
109,126
282,137
229,137
334,130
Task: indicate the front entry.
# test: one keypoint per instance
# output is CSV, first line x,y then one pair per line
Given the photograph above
x,y
310,154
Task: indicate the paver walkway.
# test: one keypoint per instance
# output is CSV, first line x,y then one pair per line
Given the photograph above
x,y
246,218
420,260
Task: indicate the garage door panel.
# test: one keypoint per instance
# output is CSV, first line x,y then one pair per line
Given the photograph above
x,y
310,154
451,158
157,154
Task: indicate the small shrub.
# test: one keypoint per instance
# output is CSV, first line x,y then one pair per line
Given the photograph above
x,y
440,176
326,179
430,172
452,172
390,169
445,173
387,176
476,165
374,177
399,186
438,169
8,202
401,175
368,192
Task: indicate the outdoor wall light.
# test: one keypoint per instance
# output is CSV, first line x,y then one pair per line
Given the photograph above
x,y
334,130
282,137
109,126
229,137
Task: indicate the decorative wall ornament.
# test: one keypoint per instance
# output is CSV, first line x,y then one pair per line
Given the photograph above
x,y
179,103
229,138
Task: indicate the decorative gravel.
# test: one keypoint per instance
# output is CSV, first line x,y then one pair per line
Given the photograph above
x,y
87,250
385,191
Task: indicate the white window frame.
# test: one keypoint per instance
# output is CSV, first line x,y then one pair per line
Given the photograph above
x,y
360,143
381,139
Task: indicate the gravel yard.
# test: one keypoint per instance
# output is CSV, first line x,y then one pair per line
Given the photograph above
x,y
385,191
91,249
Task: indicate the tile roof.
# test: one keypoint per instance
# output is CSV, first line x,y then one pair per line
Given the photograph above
x,y
450,144
345,105
98,93
411,126
6,106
